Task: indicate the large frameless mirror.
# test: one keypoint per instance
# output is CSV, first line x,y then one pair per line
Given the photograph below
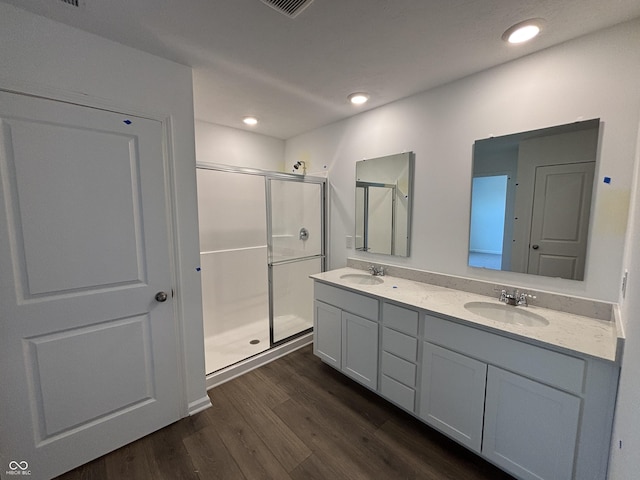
x,y
531,200
383,204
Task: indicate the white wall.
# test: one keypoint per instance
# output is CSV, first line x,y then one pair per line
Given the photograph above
x,y
594,76
625,461
232,146
47,58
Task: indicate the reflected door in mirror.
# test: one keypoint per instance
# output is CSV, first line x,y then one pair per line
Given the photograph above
x,y
531,200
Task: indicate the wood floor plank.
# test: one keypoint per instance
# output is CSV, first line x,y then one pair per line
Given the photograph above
x,y
319,466
310,376
211,457
286,447
94,470
322,443
129,461
278,371
323,403
248,450
168,458
354,435
436,456
258,386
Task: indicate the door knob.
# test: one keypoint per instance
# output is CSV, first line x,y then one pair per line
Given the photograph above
x,y
535,247
161,296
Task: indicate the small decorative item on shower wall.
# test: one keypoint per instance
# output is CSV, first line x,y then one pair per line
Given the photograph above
x,y
383,204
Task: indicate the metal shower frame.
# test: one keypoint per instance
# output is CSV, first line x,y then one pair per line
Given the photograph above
x,y
268,176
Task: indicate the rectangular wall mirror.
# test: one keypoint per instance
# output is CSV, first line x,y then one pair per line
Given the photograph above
x,y
383,204
531,200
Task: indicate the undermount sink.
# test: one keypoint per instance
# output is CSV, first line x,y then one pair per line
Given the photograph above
x,y
361,279
500,312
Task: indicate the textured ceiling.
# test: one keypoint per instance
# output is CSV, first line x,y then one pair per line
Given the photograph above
x,y
295,74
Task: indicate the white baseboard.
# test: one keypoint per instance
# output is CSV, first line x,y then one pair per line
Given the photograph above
x,y
229,373
199,405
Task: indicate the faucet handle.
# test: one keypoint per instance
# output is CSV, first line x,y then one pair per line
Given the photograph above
x,y
503,295
522,298
376,271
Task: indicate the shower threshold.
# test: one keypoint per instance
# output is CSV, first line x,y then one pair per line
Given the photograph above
x,y
257,360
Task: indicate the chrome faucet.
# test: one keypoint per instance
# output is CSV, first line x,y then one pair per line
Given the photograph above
x,y
376,271
515,298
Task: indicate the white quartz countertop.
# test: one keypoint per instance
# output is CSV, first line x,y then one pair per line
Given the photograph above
x,y
565,332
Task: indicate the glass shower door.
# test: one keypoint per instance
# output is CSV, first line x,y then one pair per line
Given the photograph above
x,y
233,256
296,250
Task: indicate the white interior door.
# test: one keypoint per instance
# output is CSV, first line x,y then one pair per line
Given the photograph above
x,y
89,355
560,220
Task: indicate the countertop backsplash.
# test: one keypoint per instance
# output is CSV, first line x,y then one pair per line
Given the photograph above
x,y
553,301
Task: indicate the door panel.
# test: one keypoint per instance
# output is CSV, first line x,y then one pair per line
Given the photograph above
x,y
560,220
61,230
452,399
530,429
360,349
327,333
84,248
68,369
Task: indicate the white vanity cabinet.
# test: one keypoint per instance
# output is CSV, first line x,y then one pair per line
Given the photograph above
x,y
517,404
360,349
398,362
346,332
452,399
533,411
530,429
327,333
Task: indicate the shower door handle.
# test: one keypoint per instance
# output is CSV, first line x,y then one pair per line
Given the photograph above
x,y
161,297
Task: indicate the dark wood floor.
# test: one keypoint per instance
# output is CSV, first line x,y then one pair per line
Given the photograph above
x,y
295,418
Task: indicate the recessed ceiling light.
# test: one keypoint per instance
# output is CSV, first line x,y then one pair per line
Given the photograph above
x,y
358,98
250,121
523,31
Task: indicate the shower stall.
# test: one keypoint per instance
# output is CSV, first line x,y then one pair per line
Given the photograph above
x,y
261,235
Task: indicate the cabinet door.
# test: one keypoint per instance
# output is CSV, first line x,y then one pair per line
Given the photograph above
x,y
452,394
530,429
327,333
360,349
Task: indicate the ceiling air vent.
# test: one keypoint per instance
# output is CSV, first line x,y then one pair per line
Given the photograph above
x,y
73,3
290,8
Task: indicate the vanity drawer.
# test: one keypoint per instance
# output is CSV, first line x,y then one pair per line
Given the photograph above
x,y
398,393
399,344
355,303
400,318
549,367
399,369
